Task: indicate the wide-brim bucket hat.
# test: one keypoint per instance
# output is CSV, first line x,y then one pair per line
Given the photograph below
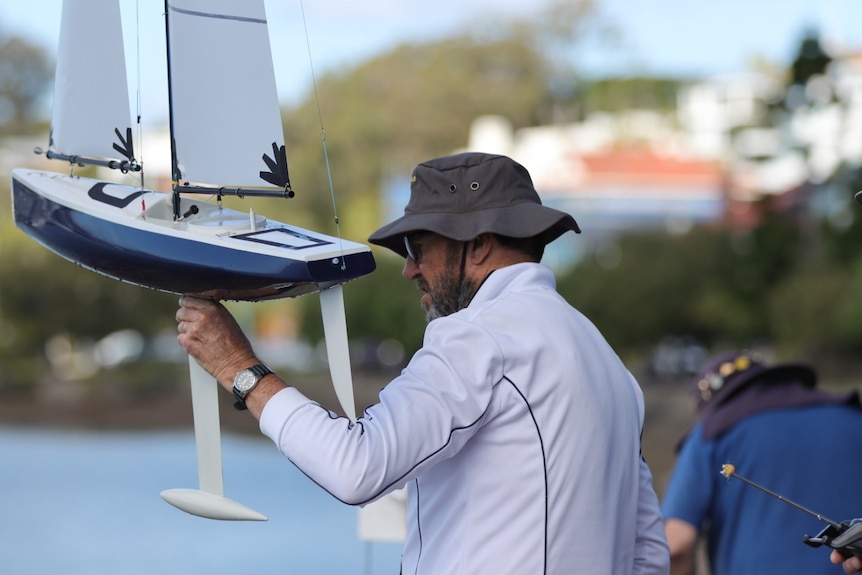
x,y
465,195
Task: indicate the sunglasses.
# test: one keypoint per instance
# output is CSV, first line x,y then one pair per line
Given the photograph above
x,y
413,252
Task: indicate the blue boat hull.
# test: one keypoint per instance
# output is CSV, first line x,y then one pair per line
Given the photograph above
x,y
176,264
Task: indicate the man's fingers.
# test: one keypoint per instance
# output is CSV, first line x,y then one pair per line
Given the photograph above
x,y
193,302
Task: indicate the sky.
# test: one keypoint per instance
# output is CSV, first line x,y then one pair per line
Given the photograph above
x,y
669,37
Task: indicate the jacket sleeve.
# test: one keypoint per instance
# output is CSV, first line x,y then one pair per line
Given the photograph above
x,y
425,415
652,556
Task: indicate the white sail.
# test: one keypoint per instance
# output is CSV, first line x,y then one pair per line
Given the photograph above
x,y
91,92
224,104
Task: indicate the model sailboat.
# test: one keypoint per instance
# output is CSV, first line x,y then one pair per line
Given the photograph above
x,y
226,139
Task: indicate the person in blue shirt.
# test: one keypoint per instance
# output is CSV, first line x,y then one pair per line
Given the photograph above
x,y
777,429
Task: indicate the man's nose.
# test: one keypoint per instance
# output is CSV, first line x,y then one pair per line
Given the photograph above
x,y
410,270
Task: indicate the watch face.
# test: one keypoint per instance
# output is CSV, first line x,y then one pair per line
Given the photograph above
x,y
245,380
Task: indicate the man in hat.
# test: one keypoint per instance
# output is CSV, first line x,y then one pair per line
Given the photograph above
x,y
773,425
515,428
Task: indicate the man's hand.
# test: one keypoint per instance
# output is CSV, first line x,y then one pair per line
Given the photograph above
x,y
211,335
850,564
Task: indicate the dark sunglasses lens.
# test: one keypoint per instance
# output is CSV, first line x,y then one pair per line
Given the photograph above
x,y
410,253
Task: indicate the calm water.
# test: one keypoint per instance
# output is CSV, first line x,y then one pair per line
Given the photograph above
x,y
87,502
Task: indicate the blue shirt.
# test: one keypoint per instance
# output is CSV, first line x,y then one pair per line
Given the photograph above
x,y
810,455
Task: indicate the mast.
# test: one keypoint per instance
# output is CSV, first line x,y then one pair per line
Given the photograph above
x,y
175,176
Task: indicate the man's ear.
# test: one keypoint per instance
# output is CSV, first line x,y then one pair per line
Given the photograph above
x,y
481,247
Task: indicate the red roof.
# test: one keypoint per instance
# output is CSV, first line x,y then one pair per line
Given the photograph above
x,y
648,168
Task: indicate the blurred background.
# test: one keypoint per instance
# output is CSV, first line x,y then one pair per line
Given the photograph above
x,y
709,153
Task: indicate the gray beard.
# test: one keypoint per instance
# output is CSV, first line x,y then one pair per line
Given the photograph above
x,y
451,296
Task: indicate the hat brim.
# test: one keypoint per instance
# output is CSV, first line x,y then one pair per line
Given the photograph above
x,y
522,220
786,372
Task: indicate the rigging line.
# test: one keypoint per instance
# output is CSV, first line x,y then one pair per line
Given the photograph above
x,y
323,137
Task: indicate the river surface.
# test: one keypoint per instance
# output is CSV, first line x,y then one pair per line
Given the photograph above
x,y
78,502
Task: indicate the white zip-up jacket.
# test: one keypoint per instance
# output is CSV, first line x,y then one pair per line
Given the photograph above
x,y
516,429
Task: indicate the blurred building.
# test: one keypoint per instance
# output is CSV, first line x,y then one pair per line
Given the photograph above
x,y
737,146
593,171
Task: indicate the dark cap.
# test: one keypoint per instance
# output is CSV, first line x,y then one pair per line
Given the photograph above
x,y
465,195
736,385
724,375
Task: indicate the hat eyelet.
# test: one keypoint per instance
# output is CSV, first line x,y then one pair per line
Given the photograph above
x,y
453,188
474,186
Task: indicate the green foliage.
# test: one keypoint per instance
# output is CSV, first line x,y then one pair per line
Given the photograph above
x,y
841,230
771,286
42,295
708,284
846,314
810,61
803,313
25,76
411,104
619,94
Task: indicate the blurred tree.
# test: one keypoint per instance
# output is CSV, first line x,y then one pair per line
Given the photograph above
x,y
413,103
635,93
25,77
841,233
418,101
43,295
709,284
846,315
72,300
803,312
811,60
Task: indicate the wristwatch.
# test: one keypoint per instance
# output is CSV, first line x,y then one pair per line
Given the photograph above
x,y
245,381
